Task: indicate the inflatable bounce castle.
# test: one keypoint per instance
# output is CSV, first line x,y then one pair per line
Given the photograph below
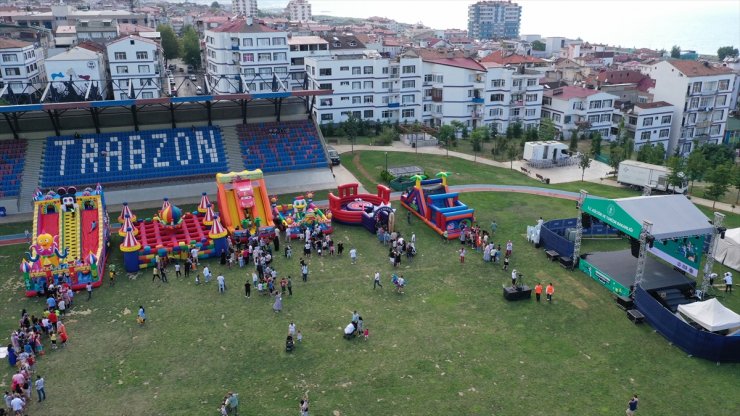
x,y
301,214
430,200
70,236
243,202
370,211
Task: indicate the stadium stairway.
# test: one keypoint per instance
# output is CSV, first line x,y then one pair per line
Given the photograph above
x,y
31,173
233,150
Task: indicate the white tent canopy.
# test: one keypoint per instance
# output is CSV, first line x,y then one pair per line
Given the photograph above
x,y
711,315
728,249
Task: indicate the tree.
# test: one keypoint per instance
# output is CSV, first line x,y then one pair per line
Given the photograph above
x,y
675,52
616,155
538,46
387,136
446,135
584,164
696,166
170,45
351,129
596,144
735,180
516,130
651,153
511,152
191,47
532,134
719,179
676,167
547,129
717,154
483,133
573,146
726,51
215,5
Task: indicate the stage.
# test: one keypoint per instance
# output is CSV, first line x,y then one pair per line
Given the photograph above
x,y
616,271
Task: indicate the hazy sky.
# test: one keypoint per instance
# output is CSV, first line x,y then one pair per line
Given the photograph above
x,y
703,25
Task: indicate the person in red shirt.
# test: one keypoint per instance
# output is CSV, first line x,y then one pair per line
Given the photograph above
x,y
538,291
549,291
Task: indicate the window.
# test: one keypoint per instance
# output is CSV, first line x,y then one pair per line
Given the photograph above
x,y
327,117
122,70
547,101
428,93
664,133
427,77
593,119
497,83
12,71
368,85
495,112
647,121
280,70
606,118
692,118
531,82
248,72
410,83
357,100
325,71
368,114
566,119
407,99
143,69
607,103
326,102
409,69
344,68
367,70
714,130
387,114
407,113
344,84
386,85
119,56
10,58
356,70
280,56
694,103
368,99
385,70
696,87
325,86
344,99
721,100
278,41
645,136
531,98
147,94
717,115
265,72
142,55
248,57
263,41
546,114
517,83
530,112
514,112
497,97
665,120
247,42
356,85
264,57
724,85
706,102
578,105
594,104
145,82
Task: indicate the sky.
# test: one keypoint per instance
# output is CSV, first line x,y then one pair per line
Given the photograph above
x,y
702,25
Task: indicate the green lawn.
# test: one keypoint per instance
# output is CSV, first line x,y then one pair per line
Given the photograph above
x,y
449,346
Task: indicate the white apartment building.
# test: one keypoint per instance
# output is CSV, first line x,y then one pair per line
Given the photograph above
x,y
21,67
247,8
453,91
136,68
494,20
512,95
242,56
367,86
302,47
298,10
572,108
700,94
648,122
81,65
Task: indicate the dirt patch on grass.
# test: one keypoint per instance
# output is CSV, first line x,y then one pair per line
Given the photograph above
x,y
361,169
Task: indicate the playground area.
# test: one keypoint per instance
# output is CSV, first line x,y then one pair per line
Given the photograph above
x,y
450,339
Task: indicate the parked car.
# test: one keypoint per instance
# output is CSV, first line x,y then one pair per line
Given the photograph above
x,y
333,156
193,78
172,81
191,69
172,67
198,90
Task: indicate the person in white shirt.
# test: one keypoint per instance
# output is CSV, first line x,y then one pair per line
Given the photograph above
x,y
291,329
207,274
728,282
17,404
376,281
353,255
221,283
513,278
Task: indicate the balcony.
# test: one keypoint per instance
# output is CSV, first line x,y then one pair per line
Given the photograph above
x,y
517,103
477,100
394,105
476,114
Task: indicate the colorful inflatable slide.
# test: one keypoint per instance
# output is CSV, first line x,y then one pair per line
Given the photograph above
x,y
70,235
440,209
243,202
370,211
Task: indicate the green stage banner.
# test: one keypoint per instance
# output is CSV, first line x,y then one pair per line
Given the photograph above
x,y
611,213
685,254
603,278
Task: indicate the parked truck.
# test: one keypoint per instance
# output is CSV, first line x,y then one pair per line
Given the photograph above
x,y
639,174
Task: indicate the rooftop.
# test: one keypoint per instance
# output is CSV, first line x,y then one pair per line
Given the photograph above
x,y
657,104
466,63
698,69
505,58
7,43
570,91
241,26
74,54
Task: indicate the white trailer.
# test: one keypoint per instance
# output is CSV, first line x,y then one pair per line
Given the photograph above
x,y
639,174
551,150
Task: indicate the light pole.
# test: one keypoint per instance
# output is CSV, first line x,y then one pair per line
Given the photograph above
x,y
386,161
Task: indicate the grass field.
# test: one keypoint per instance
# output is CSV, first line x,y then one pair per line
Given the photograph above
x,y
450,345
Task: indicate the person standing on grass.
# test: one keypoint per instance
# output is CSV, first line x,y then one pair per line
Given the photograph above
x,y
304,272
538,291
290,286
494,227
207,274
509,248
632,406
462,255
549,291
28,235
376,280
188,266
506,263
40,388
177,270
291,329
247,289
353,255
88,287
221,283
278,305
728,282
163,274
141,316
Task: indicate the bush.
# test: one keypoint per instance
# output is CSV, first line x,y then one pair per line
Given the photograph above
x,y
385,176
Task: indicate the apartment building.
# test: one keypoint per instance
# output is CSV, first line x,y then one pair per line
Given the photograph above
x,y
21,69
576,108
298,10
367,86
647,122
700,94
243,56
494,20
302,47
136,68
84,66
246,8
512,95
454,89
